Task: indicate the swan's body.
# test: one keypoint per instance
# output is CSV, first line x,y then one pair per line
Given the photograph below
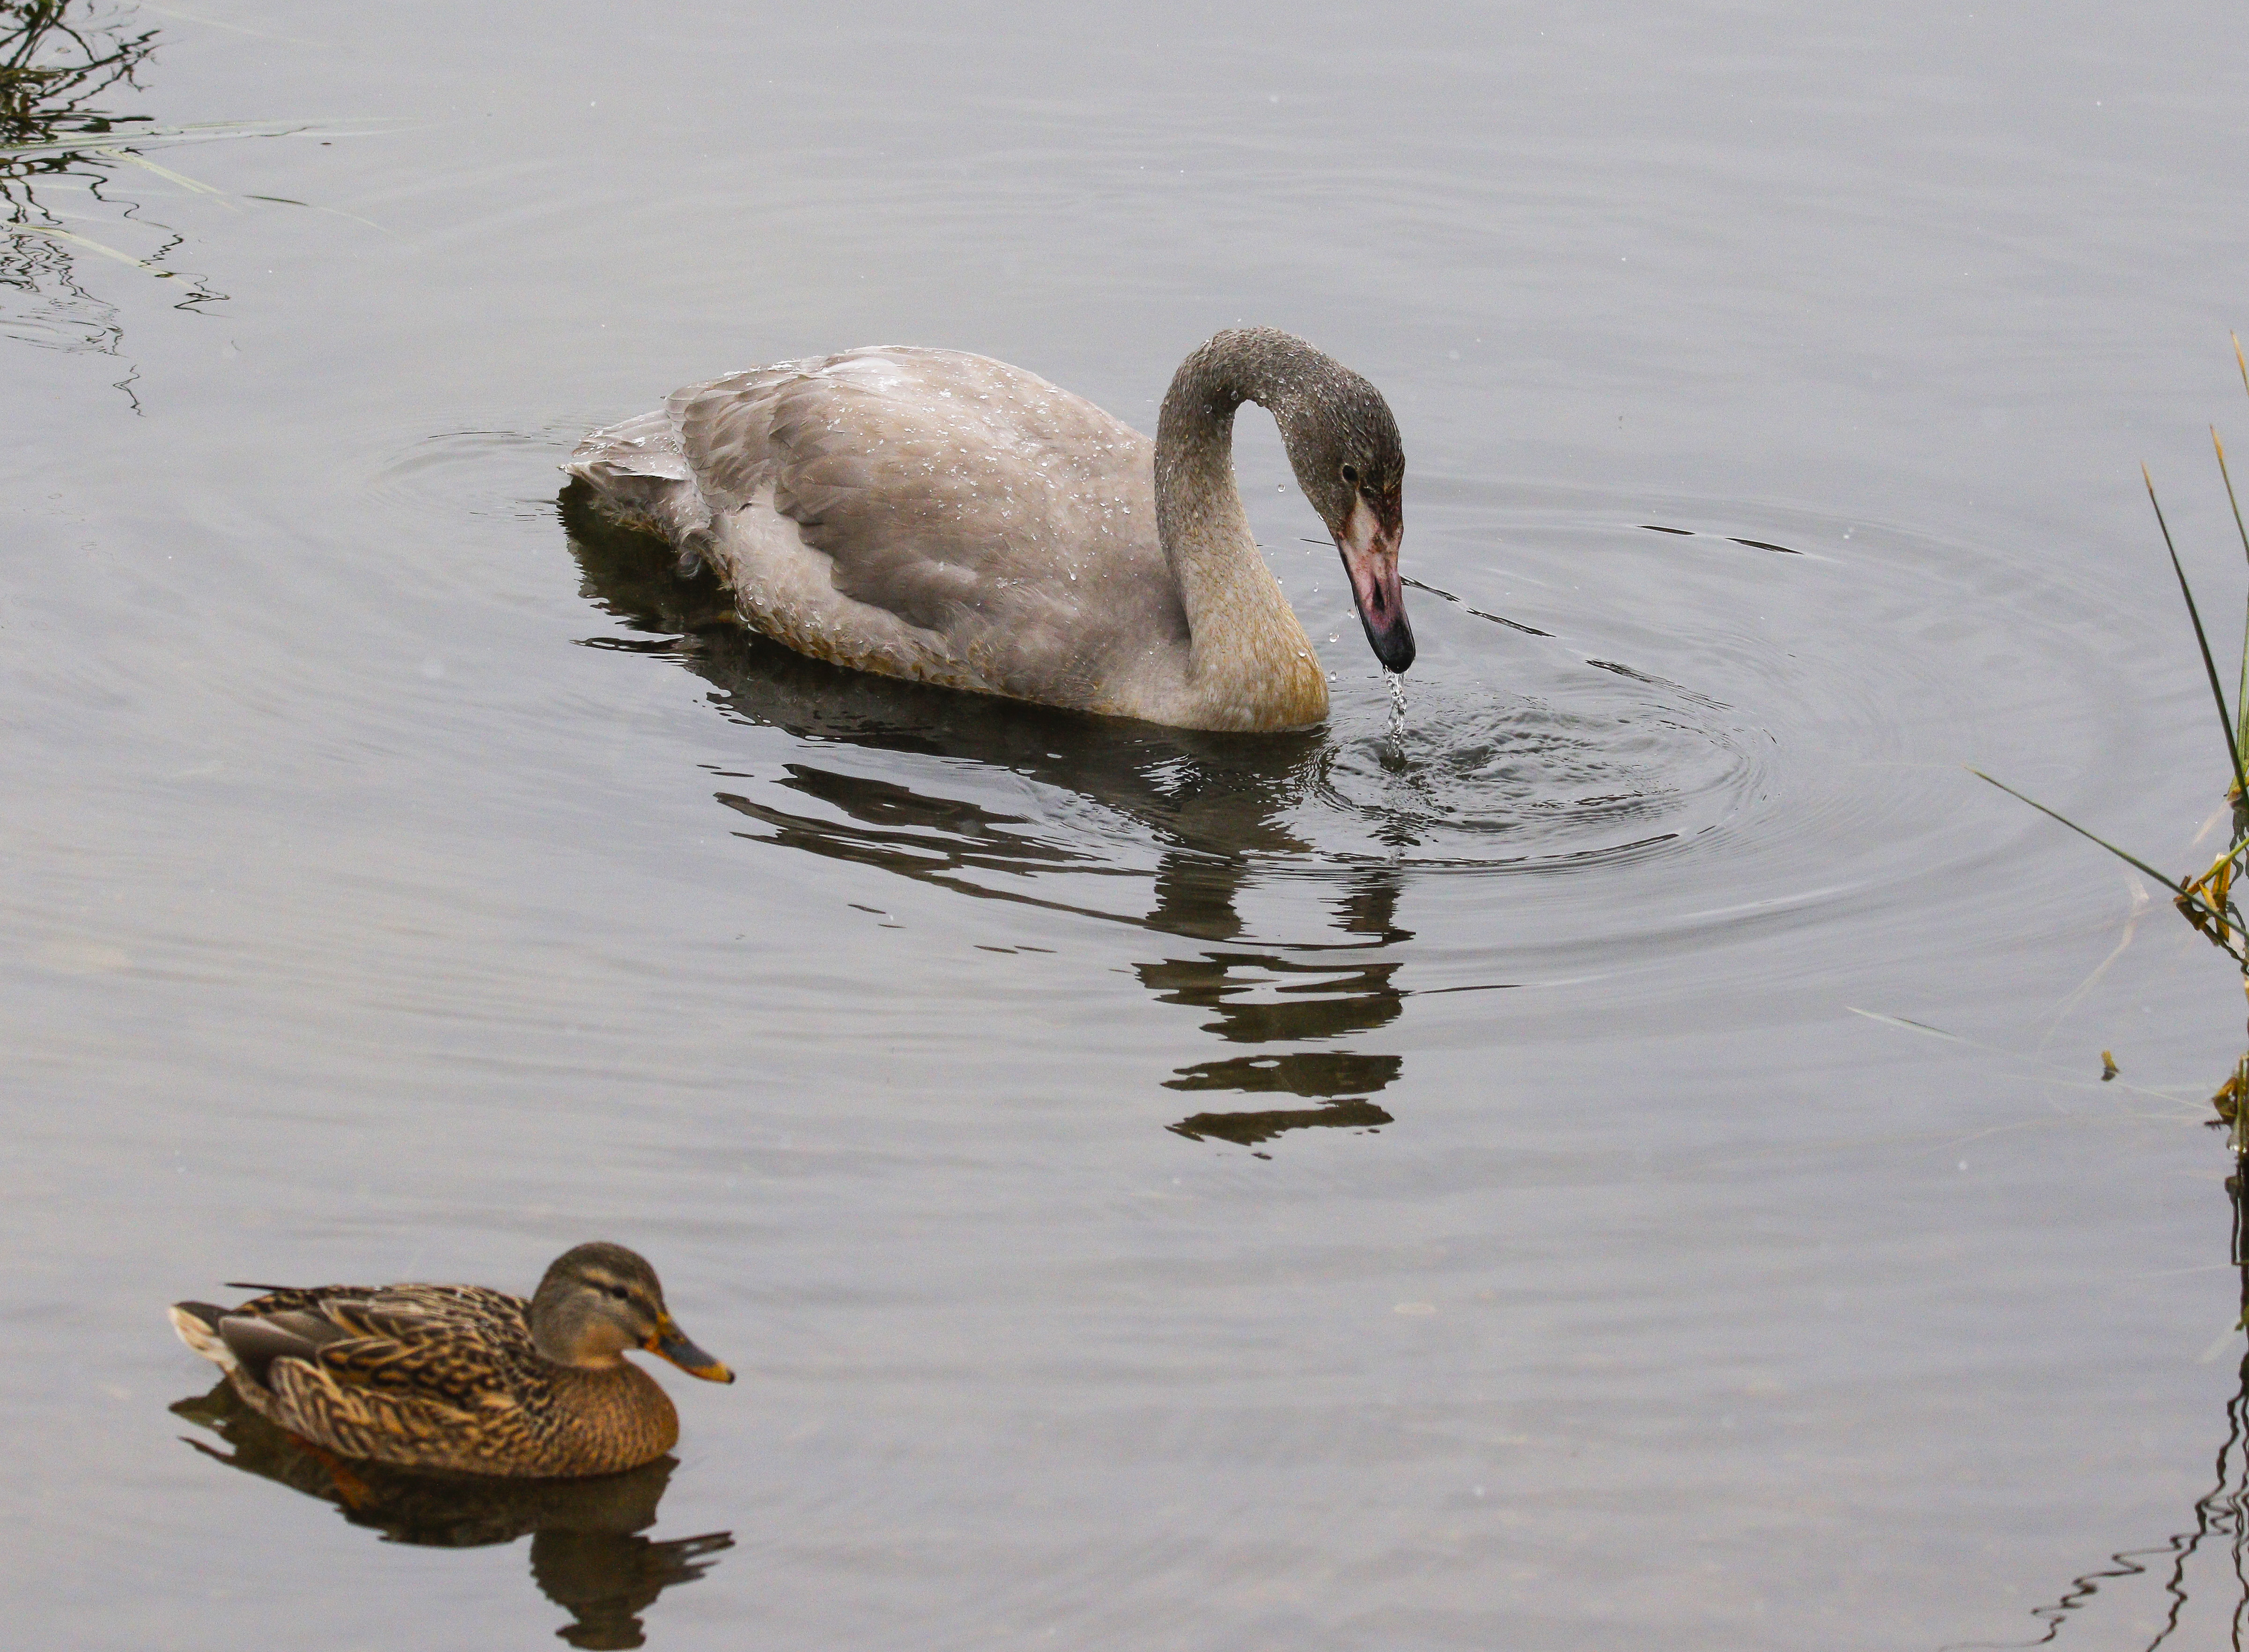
x,y
947,518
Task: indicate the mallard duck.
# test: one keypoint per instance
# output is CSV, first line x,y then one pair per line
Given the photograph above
x,y
461,1378
947,518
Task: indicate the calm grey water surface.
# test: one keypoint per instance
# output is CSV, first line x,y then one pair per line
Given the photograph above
x,y
1482,1186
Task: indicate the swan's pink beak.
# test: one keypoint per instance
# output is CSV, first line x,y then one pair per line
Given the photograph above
x,y
1369,543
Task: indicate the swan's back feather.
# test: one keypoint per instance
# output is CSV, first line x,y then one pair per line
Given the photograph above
x,y
968,522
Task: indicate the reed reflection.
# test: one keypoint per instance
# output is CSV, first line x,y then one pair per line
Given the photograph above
x,y
587,1553
1203,810
2203,1568
59,64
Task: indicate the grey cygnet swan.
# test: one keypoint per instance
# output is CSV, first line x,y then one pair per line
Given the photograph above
x,y
949,519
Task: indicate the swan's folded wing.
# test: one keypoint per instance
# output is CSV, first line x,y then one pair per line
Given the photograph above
x,y
965,496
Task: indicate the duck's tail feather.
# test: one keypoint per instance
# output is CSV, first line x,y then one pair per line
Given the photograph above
x,y
198,1324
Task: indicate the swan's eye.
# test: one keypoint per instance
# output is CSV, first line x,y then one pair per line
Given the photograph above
x,y
1350,475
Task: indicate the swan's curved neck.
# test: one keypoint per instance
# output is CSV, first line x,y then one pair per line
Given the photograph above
x,y
1250,659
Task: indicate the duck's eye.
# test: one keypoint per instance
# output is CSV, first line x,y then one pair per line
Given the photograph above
x,y
1350,475
618,1291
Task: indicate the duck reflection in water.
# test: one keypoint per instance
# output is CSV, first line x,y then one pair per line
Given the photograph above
x,y
1211,803
587,1553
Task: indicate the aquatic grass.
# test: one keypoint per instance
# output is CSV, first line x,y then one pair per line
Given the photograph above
x,y
53,66
194,186
61,64
2201,641
2227,1102
2208,907
2232,499
90,243
2206,901
25,166
111,132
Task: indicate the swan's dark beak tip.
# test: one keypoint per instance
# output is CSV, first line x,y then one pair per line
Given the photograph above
x,y
1393,646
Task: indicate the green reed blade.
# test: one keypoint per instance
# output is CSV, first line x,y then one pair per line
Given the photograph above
x,y
2241,694
2162,879
2182,893
2217,692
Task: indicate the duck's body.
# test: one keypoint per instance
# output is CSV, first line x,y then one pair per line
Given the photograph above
x,y
950,519
461,1378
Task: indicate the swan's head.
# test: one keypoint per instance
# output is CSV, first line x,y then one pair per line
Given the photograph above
x,y
600,1299
1350,463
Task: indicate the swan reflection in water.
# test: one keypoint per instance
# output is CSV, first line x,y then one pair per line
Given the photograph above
x,y
587,1553
1210,804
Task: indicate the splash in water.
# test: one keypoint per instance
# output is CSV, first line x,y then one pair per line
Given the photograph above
x,y
1397,685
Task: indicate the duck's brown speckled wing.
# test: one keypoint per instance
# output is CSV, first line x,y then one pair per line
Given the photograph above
x,y
477,1307
428,1375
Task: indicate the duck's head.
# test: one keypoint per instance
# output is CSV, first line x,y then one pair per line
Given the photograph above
x,y
1352,466
598,1300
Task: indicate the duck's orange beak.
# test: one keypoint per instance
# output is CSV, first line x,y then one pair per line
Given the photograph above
x,y
670,1342
1368,540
